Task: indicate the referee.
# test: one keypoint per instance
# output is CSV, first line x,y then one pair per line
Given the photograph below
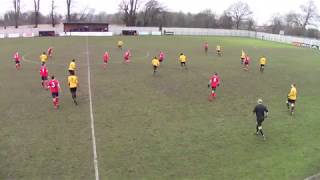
x,y
261,112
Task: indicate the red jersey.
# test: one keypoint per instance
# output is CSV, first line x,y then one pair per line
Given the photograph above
x,y
44,71
16,57
54,86
247,60
161,56
126,55
215,80
106,57
206,45
50,51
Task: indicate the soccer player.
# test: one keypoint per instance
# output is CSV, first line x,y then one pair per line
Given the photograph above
x,y
161,56
263,63
54,87
219,50
43,58
17,59
292,97
73,84
155,63
246,63
206,47
261,112
120,44
50,51
106,58
213,83
44,75
183,60
72,66
127,56
242,57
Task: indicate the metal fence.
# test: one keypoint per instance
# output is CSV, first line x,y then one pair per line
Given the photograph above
x,y
29,31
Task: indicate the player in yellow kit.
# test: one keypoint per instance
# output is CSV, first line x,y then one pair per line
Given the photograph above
x,y
183,60
155,63
242,57
263,63
292,97
120,44
43,58
73,85
219,50
72,66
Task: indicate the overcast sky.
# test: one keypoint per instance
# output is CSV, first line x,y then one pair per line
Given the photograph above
x,y
262,9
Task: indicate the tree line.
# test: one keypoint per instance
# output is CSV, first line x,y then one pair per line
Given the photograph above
x,y
152,13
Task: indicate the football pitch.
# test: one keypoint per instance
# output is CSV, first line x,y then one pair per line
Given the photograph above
x,y
162,126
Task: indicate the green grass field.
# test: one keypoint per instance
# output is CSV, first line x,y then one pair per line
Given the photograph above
x,y
159,127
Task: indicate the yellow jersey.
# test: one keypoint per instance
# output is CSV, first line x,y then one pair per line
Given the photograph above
x,y
243,54
293,94
263,61
183,58
120,43
73,81
155,62
218,48
43,58
72,66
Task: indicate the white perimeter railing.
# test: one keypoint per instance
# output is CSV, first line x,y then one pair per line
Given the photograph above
x,y
29,31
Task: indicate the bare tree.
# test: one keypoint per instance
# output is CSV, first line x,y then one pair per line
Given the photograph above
x,y
16,5
225,21
52,14
277,24
293,20
36,4
239,11
152,13
129,10
69,10
205,19
86,15
309,14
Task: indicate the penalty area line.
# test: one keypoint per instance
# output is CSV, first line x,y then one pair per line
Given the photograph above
x,y
93,136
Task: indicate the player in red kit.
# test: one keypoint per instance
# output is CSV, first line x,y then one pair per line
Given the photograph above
x,y
127,56
161,56
44,75
206,47
17,59
246,63
50,52
54,87
106,58
213,83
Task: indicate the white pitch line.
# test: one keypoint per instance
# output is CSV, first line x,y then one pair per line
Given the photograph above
x,y
94,145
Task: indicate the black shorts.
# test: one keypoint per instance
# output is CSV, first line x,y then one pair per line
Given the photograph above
x,y
260,121
71,71
218,51
291,101
214,88
73,90
262,65
183,63
17,62
155,67
55,94
43,78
